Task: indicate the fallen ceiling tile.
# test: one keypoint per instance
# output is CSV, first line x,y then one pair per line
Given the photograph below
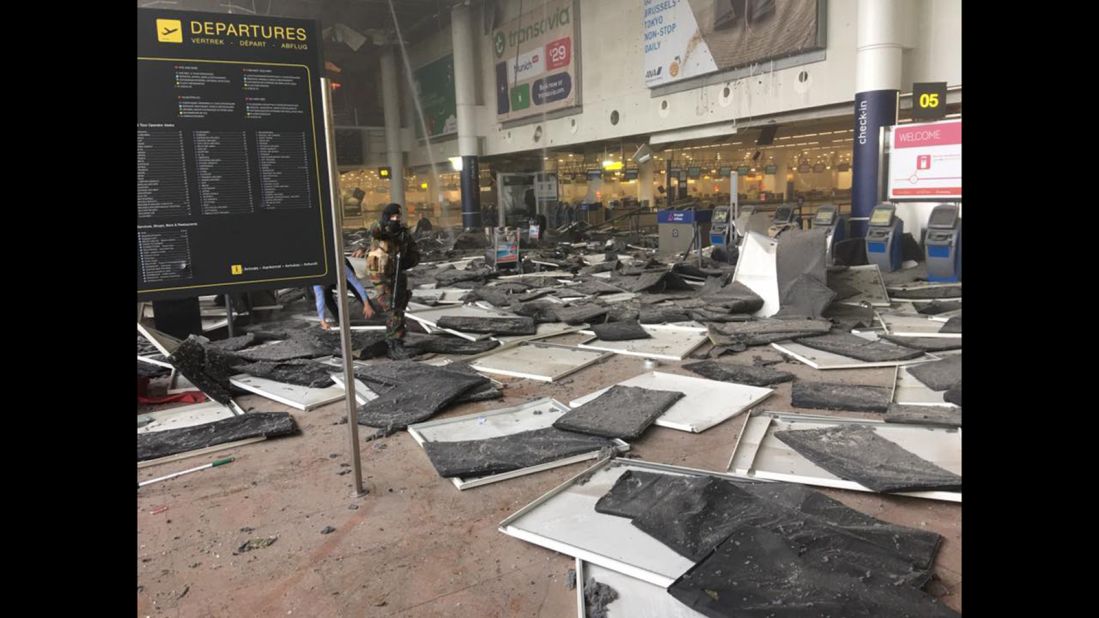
x,y
299,397
169,442
739,374
497,445
939,375
621,412
759,454
666,342
852,397
860,454
541,362
705,403
947,416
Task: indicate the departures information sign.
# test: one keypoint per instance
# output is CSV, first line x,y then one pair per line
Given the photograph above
x,y
232,182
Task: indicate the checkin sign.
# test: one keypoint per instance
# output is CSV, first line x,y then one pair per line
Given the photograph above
x,y
926,161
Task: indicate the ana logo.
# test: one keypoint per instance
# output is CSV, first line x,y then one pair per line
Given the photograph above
x,y
500,43
651,73
169,31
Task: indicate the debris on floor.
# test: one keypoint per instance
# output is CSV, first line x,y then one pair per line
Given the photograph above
x,y
252,544
171,441
597,308
862,455
829,396
622,412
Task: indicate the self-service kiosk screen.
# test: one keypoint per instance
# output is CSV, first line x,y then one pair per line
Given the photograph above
x,y
782,214
943,218
881,216
825,217
721,216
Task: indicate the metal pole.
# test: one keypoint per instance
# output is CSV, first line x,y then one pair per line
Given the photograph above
x,y
229,313
341,282
213,464
734,194
698,238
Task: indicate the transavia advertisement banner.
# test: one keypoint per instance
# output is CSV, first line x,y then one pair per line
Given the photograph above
x,y
536,58
926,161
689,38
435,89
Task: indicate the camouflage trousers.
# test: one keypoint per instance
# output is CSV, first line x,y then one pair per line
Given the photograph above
x,y
394,309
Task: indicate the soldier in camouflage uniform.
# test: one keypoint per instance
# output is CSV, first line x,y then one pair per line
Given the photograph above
x,y
388,240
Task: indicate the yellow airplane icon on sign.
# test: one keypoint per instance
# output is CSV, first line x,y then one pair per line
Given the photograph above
x,y
169,31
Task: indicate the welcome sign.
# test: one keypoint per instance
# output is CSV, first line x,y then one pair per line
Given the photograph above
x,y
536,61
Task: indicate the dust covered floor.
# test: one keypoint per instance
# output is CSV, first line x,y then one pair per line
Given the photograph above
x,y
416,546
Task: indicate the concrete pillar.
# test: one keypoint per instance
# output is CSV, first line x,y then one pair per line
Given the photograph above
x,y
775,182
434,194
645,181
877,85
465,97
392,110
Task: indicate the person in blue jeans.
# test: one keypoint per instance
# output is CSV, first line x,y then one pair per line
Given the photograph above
x,y
325,297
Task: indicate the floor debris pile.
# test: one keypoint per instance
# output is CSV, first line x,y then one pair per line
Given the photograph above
x,y
843,378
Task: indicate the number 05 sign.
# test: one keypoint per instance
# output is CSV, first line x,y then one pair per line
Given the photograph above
x,y
929,101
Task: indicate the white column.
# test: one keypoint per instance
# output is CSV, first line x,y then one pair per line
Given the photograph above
x,y
782,166
392,110
878,45
878,51
465,99
465,94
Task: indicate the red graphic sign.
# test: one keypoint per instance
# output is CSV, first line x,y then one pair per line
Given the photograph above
x,y
558,53
926,160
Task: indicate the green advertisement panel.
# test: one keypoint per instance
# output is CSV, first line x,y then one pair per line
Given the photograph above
x,y
435,89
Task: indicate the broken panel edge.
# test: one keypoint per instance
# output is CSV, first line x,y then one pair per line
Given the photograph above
x,y
304,407
699,428
854,364
469,483
540,377
586,346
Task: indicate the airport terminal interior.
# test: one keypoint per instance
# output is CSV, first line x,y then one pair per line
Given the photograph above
x,y
607,308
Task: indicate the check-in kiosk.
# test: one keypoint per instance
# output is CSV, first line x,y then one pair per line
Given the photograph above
x,y
829,218
722,233
943,244
784,216
883,238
